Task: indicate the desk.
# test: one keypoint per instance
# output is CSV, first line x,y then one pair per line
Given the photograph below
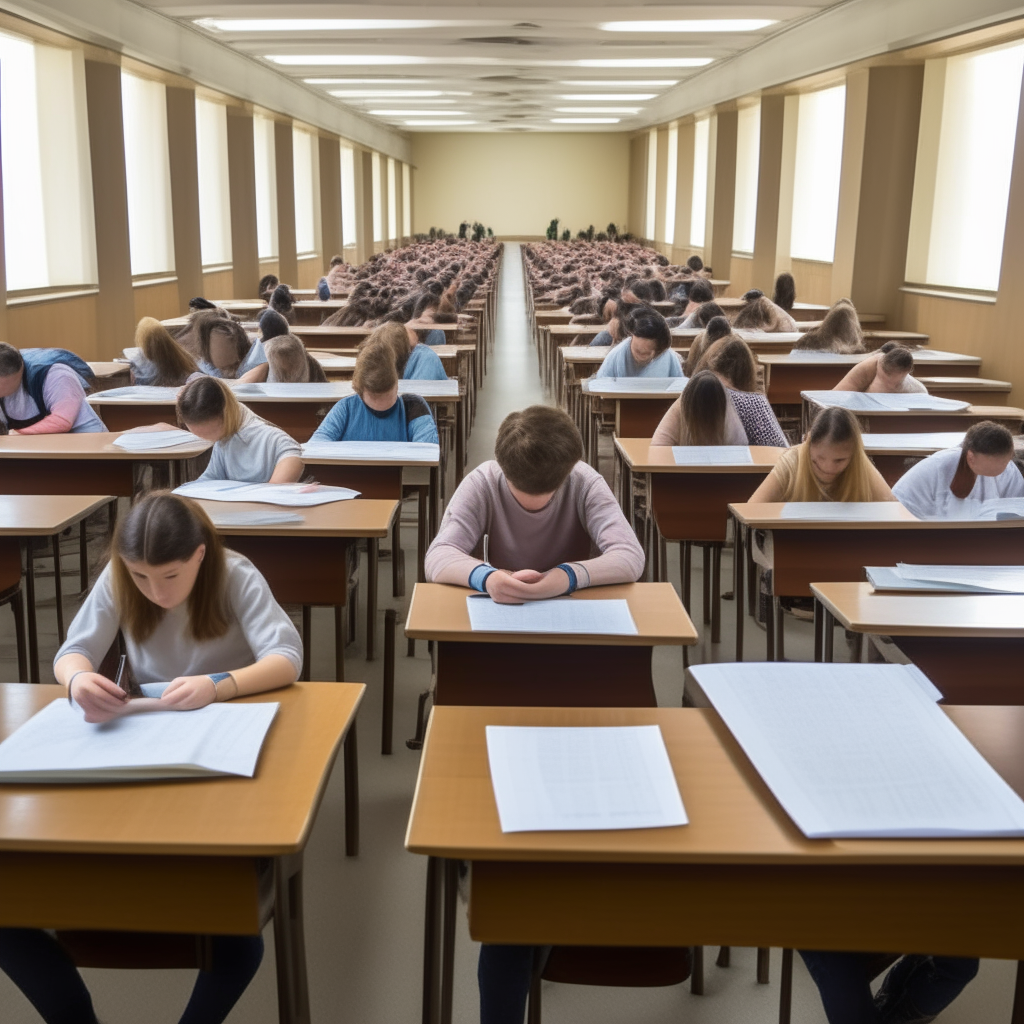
x,y
23,517
314,311
82,463
739,874
836,550
345,337
186,860
110,375
250,309
801,311
910,421
971,646
890,455
969,389
548,669
637,414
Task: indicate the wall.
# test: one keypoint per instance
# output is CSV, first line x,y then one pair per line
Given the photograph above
x,y
813,282
515,183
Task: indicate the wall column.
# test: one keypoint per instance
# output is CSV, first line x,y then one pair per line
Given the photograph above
x,y
661,186
721,192
684,191
637,187
329,155
242,183
284,166
363,162
399,204
769,178
115,308
382,184
181,145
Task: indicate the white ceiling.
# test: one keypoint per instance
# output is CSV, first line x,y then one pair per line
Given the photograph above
x,y
496,68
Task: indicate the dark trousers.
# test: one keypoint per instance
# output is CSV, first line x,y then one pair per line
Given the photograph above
x,y
504,974
36,962
916,989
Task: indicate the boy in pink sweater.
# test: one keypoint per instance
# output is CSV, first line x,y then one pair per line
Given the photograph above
x,y
537,522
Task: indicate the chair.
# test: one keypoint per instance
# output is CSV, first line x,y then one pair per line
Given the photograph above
x,y
12,596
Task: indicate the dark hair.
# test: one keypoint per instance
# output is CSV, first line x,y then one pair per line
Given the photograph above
x,y
281,300
732,358
895,356
273,325
700,291
703,404
695,263
708,311
537,448
835,425
754,293
229,327
267,284
717,327
11,361
988,438
335,260
200,303
785,292
649,323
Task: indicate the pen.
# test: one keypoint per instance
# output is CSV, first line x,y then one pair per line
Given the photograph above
x,y
486,559
120,674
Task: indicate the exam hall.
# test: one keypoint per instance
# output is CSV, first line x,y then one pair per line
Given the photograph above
x,y
511,513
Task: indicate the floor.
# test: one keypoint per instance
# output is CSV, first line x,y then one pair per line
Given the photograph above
x,y
364,916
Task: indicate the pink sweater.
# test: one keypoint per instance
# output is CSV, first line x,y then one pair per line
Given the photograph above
x,y
581,525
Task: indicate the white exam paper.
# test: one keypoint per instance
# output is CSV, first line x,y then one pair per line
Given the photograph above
x,y
142,393
935,442
558,615
1002,579
449,387
886,577
154,440
627,385
272,494
712,455
373,451
857,751
331,391
569,779
233,519
852,511
864,401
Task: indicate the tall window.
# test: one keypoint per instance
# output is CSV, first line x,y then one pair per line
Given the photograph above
x,y
49,232
406,201
378,199
748,157
671,173
148,174
652,184
214,190
819,161
303,148
265,152
964,160
392,201
699,208
349,230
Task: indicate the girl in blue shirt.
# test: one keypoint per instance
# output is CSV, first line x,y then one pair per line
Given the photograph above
x,y
646,352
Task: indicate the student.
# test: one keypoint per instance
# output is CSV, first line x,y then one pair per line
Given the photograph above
x,y
761,314
337,276
785,292
161,361
702,315
376,412
226,351
413,359
552,526
952,482
699,293
886,371
718,327
734,364
838,332
288,362
42,391
701,415
616,330
188,337
646,352
281,301
831,465
204,618
267,285
245,446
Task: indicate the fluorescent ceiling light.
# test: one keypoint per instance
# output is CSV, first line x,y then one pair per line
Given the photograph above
x,y
369,94
612,97
414,113
614,84
320,24
585,120
367,81
438,124
597,110
690,25
343,59
644,62
378,60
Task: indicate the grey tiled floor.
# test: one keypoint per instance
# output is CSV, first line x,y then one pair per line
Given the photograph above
x,y
364,917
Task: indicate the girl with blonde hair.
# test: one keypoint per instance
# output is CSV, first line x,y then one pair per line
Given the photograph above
x,y
160,361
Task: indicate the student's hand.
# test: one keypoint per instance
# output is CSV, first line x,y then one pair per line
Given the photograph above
x,y
527,576
149,428
553,583
186,693
100,698
504,588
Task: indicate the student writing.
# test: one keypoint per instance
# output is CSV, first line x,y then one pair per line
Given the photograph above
x,y
42,391
646,352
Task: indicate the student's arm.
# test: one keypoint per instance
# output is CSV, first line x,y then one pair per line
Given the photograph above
x,y
333,426
610,367
450,557
257,375
880,490
63,394
860,376
288,464
772,489
670,429
421,428
288,471
621,558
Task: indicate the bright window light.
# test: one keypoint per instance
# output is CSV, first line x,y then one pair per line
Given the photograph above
x,y
964,246
318,24
748,158
438,124
585,120
214,190
819,159
304,147
147,175
615,97
671,174
644,62
607,83
692,25
650,222
349,230
699,204
598,110
265,155
368,94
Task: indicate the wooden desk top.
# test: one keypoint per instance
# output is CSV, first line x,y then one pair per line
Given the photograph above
x,y
266,816
246,305
443,352
359,517
376,463
768,516
319,330
332,391
111,369
438,612
643,457
986,412
921,356
43,515
615,396
334,304
907,447
89,446
734,819
939,384
911,613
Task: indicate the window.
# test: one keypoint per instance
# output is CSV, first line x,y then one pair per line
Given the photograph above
x,y
147,175
349,229
49,232
378,199
652,184
670,184
303,164
265,153
699,209
392,202
748,157
406,201
964,160
214,191
819,160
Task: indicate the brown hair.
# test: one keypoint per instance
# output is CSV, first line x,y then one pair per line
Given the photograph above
x,y
895,356
11,361
161,528
173,364
760,314
396,337
537,448
291,363
231,328
375,370
833,425
985,438
839,332
731,358
703,404
206,399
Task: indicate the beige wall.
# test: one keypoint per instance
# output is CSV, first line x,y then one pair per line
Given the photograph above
x,y
516,183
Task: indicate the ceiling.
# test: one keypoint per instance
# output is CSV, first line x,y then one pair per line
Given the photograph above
x,y
486,67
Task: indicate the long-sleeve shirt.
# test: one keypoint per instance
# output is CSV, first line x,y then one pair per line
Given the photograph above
x,y
924,488
758,418
424,364
252,454
620,363
582,526
258,627
352,419
64,396
672,429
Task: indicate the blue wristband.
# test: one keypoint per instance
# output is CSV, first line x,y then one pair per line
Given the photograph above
x,y
571,573
478,577
218,677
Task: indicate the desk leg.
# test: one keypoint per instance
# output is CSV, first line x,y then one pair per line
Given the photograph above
x,y
290,942
460,442
829,626
83,555
738,556
388,711
307,640
432,940
351,792
435,499
371,595
716,594
423,498
705,554
30,596
780,632
339,643
450,903
58,587
819,626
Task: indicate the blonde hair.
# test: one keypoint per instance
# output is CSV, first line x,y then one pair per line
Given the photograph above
x,y
207,398
833,426
174,365
375,370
